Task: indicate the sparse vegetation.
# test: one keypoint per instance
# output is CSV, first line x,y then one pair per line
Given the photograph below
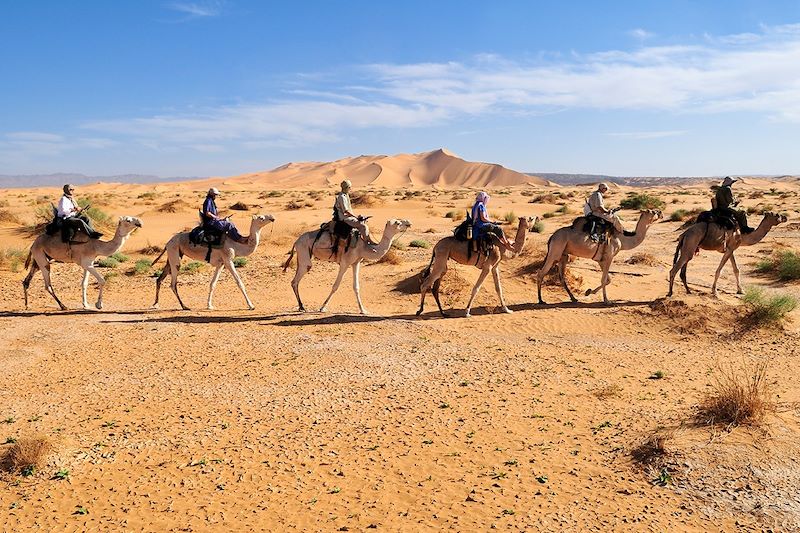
x,y
142,266
737,397
510,217
538,226
642,201
151,249
7,217
419,243
192,266
107,262
239,262
119,256
643,258
455,214
27,455
391,257
294,205
240,206
766,309
399,245
12,258
784,265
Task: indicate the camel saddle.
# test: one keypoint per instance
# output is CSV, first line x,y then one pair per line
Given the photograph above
x,y
720,216
482,245
339,230
69,235
599,229
206,236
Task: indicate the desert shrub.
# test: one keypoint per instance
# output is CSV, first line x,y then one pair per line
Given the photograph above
x,y
642,258
549,214
419,243
239,262
679,215
192,266
538,226
119,256
737,397
548,198
365,200
6,203
564,210
293,205
765,309
240,206
8,217
150,195
142,266
13,258
391,257
455,214
642,201
173,206
151,249
399,245
98,216
107,262
271,194
510,217
784,265
27,455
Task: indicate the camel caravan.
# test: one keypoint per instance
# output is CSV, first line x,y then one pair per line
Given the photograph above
x,y
478,241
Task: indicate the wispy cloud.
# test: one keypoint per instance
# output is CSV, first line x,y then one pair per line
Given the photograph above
x,y
759,73
640,34
197,9
647,134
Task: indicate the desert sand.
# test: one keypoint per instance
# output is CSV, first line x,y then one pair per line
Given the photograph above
x,y
235,420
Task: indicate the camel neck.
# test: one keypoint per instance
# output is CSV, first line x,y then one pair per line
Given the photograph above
x,y
251,243
637,238
755,236
111,247
519,239
373,254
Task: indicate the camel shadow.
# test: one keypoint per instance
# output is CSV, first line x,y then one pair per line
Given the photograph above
x,y
342,319
583,305
68,312
201,319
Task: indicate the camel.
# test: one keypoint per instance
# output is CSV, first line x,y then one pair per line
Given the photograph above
x,y
572,240
710,236
47,248
179,245
452,248
314,244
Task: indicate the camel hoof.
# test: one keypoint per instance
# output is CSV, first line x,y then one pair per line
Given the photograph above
x,y
323,309
419,312
154,306
542,302
211,308
467,315
588,292
446,315
573,300
184,308
739,291
507,310
86,307
365,312
99,305
251,307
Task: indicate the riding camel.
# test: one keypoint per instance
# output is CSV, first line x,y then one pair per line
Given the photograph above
x,y
48,248
710,236
314,244
452,248
180,245
572,240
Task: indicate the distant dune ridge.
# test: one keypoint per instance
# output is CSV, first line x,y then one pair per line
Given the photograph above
x,y
439,168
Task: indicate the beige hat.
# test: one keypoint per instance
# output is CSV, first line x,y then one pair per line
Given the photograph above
x,y
346,185
213,191
602,186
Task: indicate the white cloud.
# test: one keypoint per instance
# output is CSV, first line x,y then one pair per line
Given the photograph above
x,y
197,9
639,33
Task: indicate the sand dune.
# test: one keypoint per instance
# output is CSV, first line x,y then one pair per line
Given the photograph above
x,y
439,168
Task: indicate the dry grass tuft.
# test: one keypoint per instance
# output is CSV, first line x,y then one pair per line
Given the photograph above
x,y
392,257
293,205
27,454
173,206
737,398
652,452
608,391
7,217
366,199
240,206
453,284
151,249
686,319
642,258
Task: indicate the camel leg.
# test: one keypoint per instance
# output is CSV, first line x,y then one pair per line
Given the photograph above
x,y
26,283
476,288
725,257
303,266
357,288
684,253
84,285
605,280
49,286
736,273
232,269
684,279
100,284
160,279
342,269
554,252
435,291
213,285
173,270
432,281
562,271
499,288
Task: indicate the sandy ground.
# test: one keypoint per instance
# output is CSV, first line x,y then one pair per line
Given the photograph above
x,y
276,420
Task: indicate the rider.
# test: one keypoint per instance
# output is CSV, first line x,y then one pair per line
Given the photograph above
x,y
594,206
72,220
725,201
216,223
481,225
343,212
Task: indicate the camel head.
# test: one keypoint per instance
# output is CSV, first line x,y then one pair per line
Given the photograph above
x,y
128,225
650,215
396,227
528,223
773,219
259,221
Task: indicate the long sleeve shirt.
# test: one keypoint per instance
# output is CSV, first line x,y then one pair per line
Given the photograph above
x,y
67,207
725,197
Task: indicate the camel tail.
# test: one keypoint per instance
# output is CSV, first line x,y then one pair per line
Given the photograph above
x,y
289,260
159,257
678,249
427,271
28,259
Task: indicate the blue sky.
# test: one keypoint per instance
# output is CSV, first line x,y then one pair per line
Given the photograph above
x,y
222,87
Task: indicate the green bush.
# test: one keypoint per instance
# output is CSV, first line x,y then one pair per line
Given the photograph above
x,y
399,245
13,258
538,226
455,214
550,214
98,216
107,262
239,262
142,266
564,209
765,309
419,243
642,201
119,256
510,217
783,265
192,266
679,215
